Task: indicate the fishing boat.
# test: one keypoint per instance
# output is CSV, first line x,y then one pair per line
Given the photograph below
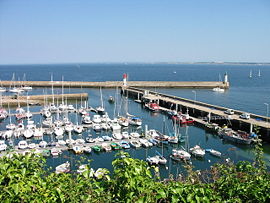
x,y
239,137
115,146
63,168
197,151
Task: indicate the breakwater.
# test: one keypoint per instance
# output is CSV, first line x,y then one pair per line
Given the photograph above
x,y
113,84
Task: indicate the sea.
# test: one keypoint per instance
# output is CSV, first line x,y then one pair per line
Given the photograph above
x,y
249,91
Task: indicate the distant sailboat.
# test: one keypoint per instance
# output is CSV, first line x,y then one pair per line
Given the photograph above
x,y
250,74
259,73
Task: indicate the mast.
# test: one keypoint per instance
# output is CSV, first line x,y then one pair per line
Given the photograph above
x,y
52,89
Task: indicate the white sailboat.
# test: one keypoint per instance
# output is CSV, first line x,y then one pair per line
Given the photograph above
x,y
250,74
259,73
101,109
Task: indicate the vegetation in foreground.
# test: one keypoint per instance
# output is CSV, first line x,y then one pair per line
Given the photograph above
x,y
23,179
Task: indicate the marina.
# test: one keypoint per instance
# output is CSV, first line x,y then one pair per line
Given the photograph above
x,y
115,102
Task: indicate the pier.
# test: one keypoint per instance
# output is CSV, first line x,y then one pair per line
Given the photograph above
x,y
114,84
202,111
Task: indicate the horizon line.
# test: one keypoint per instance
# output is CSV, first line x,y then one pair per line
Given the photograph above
x,y
160,62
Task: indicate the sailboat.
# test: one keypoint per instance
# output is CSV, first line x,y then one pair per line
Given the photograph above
x,y
24,86
2,89
101,109
250,74
259,73
15,89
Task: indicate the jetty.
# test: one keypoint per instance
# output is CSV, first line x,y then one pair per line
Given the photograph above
x,y
201,111
114,84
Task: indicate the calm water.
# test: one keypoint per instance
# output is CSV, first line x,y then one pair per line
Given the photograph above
x,y
247,94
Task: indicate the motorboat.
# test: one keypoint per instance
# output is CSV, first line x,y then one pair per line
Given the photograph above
x,y
58,131
123,121
3,145
152,106
152,160
43,144
239,137
135,135
213,152
78,129
107,138
117,136
135,121
135,144
86,120
106,147
115,146
124,144
180,154
87,149
56,151
218,89
32,146
197,151
96,118
125,135
97,127
63,168
22,144
28,133
77,149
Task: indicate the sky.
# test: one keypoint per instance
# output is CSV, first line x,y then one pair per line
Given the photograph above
x,y
104,31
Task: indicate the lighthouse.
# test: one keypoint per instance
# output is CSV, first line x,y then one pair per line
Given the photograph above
x,y
125,79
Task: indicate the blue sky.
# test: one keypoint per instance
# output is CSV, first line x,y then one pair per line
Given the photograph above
x,y
65,31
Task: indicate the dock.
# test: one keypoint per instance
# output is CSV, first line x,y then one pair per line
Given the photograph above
x,y
202,111
114,84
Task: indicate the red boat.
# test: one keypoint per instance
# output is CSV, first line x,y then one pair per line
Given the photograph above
x,y
152,106
182,119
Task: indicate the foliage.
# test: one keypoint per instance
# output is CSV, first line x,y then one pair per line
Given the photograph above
x,y
23,179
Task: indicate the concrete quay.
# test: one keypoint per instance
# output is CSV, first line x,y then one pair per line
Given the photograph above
x,y
201,110
114,84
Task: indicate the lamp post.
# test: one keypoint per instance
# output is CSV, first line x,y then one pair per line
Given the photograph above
x,y
267,110
195,95
195,98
